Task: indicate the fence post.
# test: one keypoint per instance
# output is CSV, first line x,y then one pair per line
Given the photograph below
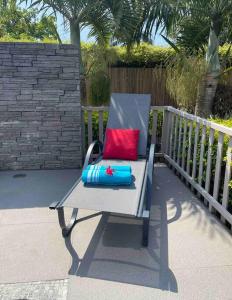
x,y
165,131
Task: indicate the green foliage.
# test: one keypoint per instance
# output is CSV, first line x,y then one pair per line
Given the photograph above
x,y
224,122
96,60
27,39
142,55
184,75
22,24
95,125
99,92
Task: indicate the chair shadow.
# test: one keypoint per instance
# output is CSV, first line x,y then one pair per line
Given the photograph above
x,y
115,252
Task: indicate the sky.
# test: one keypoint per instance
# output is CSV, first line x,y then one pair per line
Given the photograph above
x,y
64,34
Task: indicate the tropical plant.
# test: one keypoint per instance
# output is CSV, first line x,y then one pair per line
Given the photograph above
x,y
107,19
96,60
215,17
77,14
184,75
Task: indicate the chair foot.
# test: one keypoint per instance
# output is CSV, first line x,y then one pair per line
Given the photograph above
x,y
145,232
66,229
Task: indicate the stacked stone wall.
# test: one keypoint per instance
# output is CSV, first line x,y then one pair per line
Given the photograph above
x,y
40,110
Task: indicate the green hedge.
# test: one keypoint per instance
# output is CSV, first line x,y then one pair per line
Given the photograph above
x,y
27,39
147,55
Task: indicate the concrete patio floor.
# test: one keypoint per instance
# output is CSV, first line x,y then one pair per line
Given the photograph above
x,y
189,254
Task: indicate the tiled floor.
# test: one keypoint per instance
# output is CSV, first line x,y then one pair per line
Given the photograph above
x,y
40,290
189,255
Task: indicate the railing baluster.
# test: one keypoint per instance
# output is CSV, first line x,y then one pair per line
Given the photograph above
x,y
179,141
163,132
203,136
171,131
189,147
100,125
209,161
183,145
218,167
227,176
154,127
90,127
168,129
175,137
195,151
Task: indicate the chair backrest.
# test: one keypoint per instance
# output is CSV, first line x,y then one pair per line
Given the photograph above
x,y
131,111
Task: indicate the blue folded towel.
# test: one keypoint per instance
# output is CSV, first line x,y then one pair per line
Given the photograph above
x,y
99,176
126,168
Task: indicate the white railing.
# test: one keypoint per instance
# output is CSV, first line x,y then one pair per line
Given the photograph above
x,y
193,146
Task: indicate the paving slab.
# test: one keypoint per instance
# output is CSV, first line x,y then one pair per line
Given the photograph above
x,y
189,254
32,247
36,290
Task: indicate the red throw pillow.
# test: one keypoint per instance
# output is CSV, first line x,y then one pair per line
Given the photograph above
x,y
121,144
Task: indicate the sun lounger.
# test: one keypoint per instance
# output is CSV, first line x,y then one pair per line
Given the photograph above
x,y
126,111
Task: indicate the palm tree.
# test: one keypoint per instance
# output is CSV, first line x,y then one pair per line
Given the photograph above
x,y
78,14
107,19
215,16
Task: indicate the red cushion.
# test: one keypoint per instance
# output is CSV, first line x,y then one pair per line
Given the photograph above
x,y
121,144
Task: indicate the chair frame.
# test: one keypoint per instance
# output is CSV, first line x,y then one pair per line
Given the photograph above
x,y
145,199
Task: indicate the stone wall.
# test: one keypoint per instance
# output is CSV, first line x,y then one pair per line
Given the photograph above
x,y
40,111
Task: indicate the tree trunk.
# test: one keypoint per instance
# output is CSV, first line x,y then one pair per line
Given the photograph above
x,y
75,38
206,95
209,83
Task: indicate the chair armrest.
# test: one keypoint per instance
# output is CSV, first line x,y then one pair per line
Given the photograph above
x,y
57,204
150,169
146,196
54,205
90,151
151,155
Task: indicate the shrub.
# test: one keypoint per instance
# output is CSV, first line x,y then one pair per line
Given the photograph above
x,y
99,89
147,55
26,39
184,75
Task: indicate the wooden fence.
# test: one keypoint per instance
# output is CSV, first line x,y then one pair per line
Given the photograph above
x,y
141,81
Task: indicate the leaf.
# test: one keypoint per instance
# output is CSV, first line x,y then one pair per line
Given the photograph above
x,y
171,44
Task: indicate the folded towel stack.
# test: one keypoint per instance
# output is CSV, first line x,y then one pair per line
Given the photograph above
x,y
107,175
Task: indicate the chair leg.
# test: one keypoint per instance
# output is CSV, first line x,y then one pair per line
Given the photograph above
x,y
66,229
145,232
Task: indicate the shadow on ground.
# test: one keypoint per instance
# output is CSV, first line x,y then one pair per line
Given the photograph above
x,y
115,252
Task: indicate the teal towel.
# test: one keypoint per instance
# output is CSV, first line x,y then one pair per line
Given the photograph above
x,y
100,176
125,168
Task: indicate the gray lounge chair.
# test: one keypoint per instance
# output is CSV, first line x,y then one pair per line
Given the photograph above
x,y
126,111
